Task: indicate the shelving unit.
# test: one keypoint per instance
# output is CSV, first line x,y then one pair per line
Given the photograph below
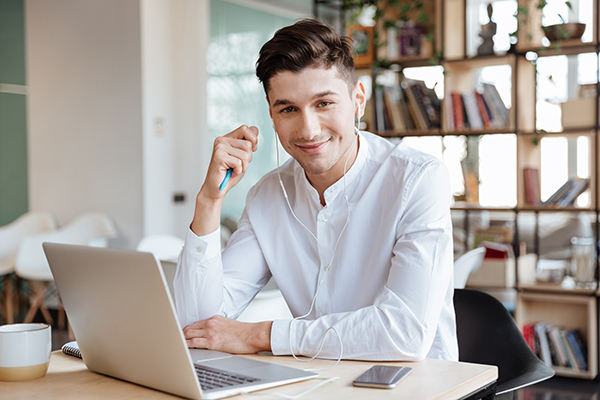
x,y
569,309
574,308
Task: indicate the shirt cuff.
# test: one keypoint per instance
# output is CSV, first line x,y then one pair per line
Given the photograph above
x,y
200,247
280,337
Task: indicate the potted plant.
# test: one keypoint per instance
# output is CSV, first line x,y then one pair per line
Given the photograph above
x,y
530,30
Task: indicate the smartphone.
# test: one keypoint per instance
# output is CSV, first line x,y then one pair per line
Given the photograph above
x,y
382,376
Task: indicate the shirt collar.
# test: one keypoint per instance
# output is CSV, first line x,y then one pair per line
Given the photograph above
x,y
332,191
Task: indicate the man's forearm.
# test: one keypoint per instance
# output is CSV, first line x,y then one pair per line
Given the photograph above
x,y
207,215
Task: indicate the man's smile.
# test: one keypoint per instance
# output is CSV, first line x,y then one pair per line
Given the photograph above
x,y
312,148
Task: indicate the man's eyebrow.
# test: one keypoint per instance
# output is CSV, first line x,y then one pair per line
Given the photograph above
x,y
284,102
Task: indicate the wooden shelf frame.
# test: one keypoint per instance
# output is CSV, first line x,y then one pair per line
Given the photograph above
x,y
459,78
529,155
570,311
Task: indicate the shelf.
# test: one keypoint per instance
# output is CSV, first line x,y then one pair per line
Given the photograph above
x,y
554,208
555,288
476,207
481,61
567,47
414,132
478,132
567,311
416,61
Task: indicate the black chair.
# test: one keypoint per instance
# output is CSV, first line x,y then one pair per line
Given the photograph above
x,y
487,334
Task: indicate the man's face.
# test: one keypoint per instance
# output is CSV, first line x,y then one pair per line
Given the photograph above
x,y
313,114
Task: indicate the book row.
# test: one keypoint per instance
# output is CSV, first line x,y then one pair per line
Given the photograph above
x,y
406,106
565,196
411,105
476,110
556,346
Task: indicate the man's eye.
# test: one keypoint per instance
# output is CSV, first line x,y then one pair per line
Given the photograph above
x,y
324,103
287,110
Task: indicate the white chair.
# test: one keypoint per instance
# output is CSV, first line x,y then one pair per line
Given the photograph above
x,y
10,238
466,265
87,229
164,247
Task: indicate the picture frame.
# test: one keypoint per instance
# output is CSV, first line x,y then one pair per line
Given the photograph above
x,y
363,42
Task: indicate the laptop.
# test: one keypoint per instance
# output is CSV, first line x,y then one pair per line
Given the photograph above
x,y
124,320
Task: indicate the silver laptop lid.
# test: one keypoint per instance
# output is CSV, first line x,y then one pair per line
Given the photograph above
x,y
113,299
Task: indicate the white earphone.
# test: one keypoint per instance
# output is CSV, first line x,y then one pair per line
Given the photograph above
x,y
329,264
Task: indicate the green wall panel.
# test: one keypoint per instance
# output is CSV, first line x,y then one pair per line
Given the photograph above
x,y
12,42
13,157
13,118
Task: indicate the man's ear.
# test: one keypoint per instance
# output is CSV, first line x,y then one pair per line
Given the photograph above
x,y
360,99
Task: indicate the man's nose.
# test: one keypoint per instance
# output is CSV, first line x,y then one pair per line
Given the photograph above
x,y
311,126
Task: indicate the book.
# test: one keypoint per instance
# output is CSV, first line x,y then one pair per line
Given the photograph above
x,y
71,349
571,362
392,100
473,112
416,109
484,111
531,179
449,113
559,349
379,110
564,189
406,115
529,335
579,349
545,355
457,111
579,186
429,103
497,107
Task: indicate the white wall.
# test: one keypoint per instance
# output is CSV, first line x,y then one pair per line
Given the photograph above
x,y
99,72
175,36
84,110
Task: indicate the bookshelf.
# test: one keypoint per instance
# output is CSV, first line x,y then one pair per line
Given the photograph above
x,y
452,43
565,309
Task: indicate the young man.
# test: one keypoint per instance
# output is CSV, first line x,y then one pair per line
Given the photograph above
x,y
355,231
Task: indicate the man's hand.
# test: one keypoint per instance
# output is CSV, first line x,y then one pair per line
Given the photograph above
x,y
234,151
223,334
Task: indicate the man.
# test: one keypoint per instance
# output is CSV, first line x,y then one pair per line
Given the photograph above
x,y
355,231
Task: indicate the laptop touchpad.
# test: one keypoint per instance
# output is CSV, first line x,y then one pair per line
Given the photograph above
x,y
201,355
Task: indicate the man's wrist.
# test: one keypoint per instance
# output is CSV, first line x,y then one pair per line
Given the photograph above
x,y
207,215
262,339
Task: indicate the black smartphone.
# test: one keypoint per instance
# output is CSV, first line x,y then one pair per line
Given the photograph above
x,y
382,376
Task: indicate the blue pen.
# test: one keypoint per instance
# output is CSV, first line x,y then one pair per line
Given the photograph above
x,y
226,179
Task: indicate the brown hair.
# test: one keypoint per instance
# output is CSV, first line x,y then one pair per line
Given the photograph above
x,y
306,44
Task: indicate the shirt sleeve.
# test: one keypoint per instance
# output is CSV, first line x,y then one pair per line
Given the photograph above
x,y
403,322
208,282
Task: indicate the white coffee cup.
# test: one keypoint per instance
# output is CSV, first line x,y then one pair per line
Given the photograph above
x,y
24,351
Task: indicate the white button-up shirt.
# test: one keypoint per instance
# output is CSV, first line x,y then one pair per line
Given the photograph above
x,y
389,291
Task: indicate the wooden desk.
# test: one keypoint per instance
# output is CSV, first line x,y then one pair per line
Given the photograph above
x,y
68,378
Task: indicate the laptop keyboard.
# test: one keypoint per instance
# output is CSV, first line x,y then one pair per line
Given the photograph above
x,y
215,379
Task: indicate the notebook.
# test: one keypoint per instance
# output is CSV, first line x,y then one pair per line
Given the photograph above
x,y
71,349
124,320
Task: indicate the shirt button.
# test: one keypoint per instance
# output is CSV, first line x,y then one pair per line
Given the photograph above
x,y
325,218
200,249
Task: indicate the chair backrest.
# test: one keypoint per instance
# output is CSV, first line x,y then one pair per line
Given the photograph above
x,y
164,247
488,334
12,234
91,228
466,265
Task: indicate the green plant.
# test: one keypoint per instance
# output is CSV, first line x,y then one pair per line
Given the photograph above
x,y
395,14
523,15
